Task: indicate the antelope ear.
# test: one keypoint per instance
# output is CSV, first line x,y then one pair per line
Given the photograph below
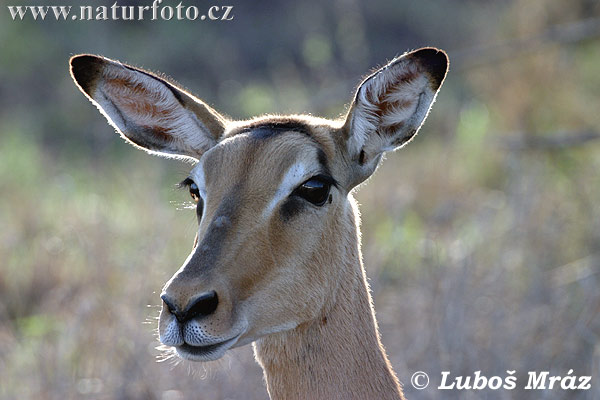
x,y
146,110
390,106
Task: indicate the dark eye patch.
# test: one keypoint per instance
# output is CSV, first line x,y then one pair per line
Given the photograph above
x,y
291,207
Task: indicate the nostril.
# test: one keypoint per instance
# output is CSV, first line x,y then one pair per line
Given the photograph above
x,y
169,303
203,305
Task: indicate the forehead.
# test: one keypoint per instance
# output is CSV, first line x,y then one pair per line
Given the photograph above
x,y
262,153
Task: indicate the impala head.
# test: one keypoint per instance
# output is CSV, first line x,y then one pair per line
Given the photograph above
x,y
273,194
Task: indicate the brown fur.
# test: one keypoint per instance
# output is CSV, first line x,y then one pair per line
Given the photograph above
x,y
288,274
338,355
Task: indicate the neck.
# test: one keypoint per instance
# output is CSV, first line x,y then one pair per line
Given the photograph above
x,y
336,356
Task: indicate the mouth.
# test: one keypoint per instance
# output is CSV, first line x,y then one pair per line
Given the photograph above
x,y
205,353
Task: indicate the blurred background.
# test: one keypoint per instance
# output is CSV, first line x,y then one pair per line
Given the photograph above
x,y
481,238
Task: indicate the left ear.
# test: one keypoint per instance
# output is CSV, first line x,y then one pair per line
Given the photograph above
x,y
390,106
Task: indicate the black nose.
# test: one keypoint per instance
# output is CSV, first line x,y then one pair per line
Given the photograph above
x,y
201,306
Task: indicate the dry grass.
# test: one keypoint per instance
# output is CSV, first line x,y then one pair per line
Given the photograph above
x,y
468,273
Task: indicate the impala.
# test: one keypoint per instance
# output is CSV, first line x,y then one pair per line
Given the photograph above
x,y
276,261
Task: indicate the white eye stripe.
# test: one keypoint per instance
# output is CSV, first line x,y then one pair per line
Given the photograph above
x,y
197,175
294,176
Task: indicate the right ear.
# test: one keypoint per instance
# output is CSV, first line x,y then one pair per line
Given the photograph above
x,y
146,110
389,108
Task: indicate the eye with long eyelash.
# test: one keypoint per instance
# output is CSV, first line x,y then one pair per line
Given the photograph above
x,y
192,187
315,190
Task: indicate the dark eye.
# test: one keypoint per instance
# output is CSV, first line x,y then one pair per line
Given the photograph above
x,y
194,192
314,190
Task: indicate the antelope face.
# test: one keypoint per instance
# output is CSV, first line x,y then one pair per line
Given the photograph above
x,y
266,200
275,219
